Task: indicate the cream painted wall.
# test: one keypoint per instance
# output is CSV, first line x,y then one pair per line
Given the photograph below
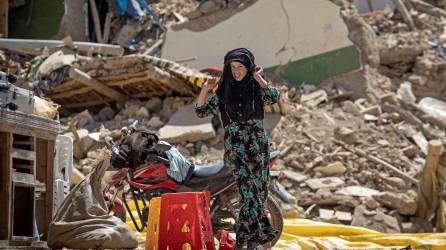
x,y
316,27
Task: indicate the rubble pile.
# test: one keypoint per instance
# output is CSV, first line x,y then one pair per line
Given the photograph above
x,y
399,49
170,12
351,150
17,64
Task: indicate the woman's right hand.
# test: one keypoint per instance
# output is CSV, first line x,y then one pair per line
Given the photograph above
x,y
210,84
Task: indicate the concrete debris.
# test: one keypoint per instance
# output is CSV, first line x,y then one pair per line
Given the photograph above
x,y
375,220
345,134
314,98
373,110
186,126
328,182
332,169
295,176
405,93
405,204
327,214
363,130
357,191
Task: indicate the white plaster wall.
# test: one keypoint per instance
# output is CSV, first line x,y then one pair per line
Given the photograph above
x,y
315,27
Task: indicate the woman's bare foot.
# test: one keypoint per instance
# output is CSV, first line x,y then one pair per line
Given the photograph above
x,y
267,246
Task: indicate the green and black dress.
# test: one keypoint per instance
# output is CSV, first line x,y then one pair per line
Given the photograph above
x,y
247,154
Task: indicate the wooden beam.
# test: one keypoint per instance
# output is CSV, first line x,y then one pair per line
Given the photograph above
x,y
4,10
97,24
97,85
87,104
69,93
23,154
369,3
49,195
34,47
399,4
24,179
5,185
427,8
427,195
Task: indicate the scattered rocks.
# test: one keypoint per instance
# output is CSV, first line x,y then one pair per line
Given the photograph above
x,y
142,113
155,122
375,220
333,168
405,204
106,113
327,183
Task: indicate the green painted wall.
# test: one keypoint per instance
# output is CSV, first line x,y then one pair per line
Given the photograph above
x,y
44,23
320,67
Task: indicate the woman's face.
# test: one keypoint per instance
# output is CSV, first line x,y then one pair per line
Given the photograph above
x,y
238,70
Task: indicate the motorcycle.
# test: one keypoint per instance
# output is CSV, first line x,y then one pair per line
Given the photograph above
x,y
150,179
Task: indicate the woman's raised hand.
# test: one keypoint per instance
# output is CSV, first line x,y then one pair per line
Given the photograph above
x,y
210,84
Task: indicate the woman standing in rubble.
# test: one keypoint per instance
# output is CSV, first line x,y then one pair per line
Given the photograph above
x,y
242,92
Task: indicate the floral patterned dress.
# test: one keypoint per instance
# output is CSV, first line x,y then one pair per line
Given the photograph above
x,y
247,154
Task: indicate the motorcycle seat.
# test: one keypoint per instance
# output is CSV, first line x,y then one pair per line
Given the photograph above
x,y
203,171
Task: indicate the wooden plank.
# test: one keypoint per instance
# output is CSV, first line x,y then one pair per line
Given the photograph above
x,y
427,197
23,179
49,195
4,10
34,46
5,185
23,142
399,4
87,104
443,160
23,166
66,94
427,8
97,24
29,125
23,154
97,85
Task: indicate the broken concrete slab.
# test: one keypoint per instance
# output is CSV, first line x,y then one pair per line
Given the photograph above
x,y
184,125
249,23
295,176
375,220
326,183
314,98
405,204
328,214
421,141
357,191
374,110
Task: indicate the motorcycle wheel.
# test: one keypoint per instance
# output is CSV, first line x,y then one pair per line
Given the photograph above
x,y
224,219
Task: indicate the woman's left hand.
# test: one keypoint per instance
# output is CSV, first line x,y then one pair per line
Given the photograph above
x,y
258,76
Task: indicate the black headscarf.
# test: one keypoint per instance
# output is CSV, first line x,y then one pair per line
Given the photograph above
x,y
239,100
